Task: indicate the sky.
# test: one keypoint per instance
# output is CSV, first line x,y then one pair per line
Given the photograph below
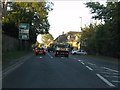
x,y
68,16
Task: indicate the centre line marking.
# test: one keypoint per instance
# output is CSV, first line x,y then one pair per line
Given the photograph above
x,y
89,68
79,60
49,55
105,80
83,63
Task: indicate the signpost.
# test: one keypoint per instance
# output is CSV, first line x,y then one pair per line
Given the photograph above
x,y
23,33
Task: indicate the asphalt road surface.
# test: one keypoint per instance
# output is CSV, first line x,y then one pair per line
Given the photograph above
x,y
49,71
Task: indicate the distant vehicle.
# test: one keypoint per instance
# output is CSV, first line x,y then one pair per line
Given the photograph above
x,y
39,51
78,52
50,49
61,50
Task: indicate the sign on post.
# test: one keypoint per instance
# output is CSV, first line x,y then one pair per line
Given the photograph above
x,y
24,31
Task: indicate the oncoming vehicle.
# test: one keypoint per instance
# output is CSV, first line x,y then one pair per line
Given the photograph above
x,y
78,52
39,51
62,50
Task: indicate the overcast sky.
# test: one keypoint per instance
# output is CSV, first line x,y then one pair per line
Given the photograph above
x,y
66,15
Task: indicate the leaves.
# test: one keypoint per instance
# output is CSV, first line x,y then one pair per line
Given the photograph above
x,y
104,38
23,12
47,38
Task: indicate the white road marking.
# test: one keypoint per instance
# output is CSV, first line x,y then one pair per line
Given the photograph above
x,y
91,63
116,81
83,63
63,57
105,80
115,73
49,55
40,57
110,73
89,68
111,76
79,60
110,69
11,69
106,72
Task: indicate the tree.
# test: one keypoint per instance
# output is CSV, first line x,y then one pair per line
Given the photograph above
x,y
23,12
107,35
47,38
88,38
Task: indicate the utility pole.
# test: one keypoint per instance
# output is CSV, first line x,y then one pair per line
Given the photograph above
x,y
81,23
80,29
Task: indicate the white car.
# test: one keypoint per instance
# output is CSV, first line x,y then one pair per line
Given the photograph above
x,y
78,52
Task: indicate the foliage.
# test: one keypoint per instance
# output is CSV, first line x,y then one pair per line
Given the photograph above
x,y
23,12
104,38
47,38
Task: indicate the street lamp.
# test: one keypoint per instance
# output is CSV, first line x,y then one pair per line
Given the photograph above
x,y
81,23
81,30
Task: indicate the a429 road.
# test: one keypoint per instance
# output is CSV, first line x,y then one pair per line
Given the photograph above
x,y
49,71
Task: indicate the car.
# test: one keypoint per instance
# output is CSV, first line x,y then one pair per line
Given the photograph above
x,y
78,52
39,51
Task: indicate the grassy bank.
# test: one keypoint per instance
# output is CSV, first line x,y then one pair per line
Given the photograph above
x,y
13,55
103,58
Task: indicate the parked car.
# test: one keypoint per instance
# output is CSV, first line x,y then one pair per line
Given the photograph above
x,y
78,52
39,51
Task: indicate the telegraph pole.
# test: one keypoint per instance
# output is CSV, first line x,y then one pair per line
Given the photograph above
x,y
80,29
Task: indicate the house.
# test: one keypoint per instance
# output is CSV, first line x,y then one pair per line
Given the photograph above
x,y
72,38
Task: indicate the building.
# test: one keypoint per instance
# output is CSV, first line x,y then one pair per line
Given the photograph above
x,y
72,38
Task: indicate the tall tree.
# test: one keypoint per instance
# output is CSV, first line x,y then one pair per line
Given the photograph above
x,y
47,38
107,35
23,12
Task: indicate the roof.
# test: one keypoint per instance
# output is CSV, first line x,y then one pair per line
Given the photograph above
x,y
73,32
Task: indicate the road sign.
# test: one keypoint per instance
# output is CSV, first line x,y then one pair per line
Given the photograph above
x,y
24,31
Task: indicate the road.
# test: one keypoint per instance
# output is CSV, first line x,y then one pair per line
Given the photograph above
x,y
62,72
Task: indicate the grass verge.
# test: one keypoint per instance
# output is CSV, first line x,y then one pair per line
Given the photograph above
x,y
103,58
12,56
